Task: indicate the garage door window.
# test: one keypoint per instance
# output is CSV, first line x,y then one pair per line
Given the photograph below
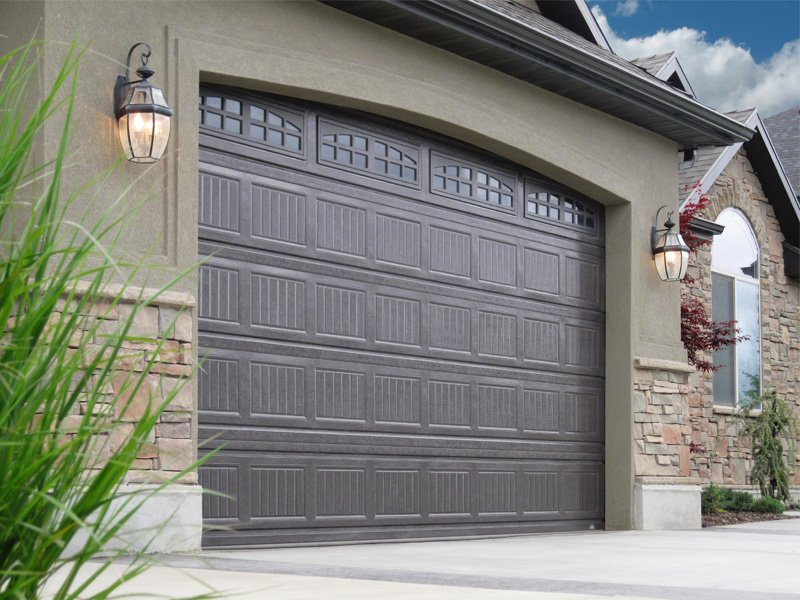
x,y
255,122
559,207
470,182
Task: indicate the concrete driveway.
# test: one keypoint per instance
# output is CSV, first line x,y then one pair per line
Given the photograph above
x,y
757,561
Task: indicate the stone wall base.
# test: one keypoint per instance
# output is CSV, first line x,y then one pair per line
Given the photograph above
x,y
664,507
170,519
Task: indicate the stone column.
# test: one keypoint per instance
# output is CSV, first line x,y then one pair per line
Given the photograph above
x,y
666,495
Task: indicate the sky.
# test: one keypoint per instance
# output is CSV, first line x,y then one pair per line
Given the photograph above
x,y
736,53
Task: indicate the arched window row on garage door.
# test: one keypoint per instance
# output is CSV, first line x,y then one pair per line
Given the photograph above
x,y
281,127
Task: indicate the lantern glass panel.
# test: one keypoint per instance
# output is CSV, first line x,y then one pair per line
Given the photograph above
x,y
160,135
141,95
136,132
158,97
122,130
671,256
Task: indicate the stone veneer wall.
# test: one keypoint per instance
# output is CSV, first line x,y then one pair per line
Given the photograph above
x,y
661,422
170,447
722,457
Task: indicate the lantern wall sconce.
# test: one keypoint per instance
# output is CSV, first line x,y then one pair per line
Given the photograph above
x,y
143,115
670,252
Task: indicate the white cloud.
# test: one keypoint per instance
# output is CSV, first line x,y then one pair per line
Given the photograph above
x,y
724,76
627,8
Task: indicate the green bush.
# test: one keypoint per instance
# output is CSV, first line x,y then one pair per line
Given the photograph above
x,y
716,499
767,505
736,500
710,500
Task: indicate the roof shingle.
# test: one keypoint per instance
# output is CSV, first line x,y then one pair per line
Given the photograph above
x,y
784,131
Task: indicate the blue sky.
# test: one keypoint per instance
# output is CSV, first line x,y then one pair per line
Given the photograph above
x,y
736,53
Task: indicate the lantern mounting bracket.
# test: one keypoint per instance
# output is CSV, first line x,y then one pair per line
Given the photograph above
x,y
142,113
654,230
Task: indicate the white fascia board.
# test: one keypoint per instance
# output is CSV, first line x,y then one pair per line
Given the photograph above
x,y
597,33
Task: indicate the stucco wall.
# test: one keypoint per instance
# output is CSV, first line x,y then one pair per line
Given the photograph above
x,y
312,51
724,457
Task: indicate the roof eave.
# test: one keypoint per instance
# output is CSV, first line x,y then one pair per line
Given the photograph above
x,y
721,129
778,189
496,28
640,98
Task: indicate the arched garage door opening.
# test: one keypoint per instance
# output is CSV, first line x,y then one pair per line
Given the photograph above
x,y
403,335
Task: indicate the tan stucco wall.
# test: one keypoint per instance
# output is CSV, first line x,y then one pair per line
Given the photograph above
x,y
312,51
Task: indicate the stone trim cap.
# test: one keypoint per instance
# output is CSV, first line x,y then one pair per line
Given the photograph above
x,y
659,364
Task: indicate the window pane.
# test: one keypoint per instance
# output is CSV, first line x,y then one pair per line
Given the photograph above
x,y
736,249
722,310
749,352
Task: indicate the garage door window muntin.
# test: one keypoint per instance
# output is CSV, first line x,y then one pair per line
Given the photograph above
x,y
735,266
252,121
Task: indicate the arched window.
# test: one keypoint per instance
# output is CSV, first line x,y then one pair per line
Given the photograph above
x,y
735,294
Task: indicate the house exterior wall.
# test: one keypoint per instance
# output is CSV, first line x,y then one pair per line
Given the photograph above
x,y
722,456
311,51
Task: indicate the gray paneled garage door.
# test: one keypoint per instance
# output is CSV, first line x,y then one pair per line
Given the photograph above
x,y
403,336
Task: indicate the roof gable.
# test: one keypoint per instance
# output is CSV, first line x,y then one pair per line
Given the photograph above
x,y
710,161
666,67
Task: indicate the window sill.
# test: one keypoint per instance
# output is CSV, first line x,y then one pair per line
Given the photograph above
x,y
730,410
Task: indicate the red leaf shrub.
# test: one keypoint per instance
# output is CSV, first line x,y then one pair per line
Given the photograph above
x,y
699,332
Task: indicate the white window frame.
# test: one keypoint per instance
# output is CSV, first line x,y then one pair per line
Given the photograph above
x,y
739,276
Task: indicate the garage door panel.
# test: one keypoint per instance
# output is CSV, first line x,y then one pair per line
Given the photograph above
x,y
402,336
332,442
232,428
238,258
212,342
419,206
344,491
280,391
247,300
276,390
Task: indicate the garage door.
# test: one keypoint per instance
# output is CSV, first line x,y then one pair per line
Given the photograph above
x,y
403,335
